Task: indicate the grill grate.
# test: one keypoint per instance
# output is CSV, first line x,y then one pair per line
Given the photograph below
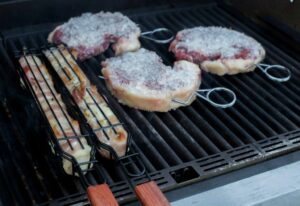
x,y
192,143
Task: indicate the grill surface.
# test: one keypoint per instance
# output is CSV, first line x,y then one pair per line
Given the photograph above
x,y
178,147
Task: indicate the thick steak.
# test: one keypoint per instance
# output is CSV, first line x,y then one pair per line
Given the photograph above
x,y
218,50
90,34
140,80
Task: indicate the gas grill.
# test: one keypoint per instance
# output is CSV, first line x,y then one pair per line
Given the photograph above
x,y
177,148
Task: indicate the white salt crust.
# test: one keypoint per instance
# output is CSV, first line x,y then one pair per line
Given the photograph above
x,y
210,41
92,29
143,72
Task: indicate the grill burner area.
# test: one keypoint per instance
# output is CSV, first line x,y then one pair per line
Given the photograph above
x,y
188,144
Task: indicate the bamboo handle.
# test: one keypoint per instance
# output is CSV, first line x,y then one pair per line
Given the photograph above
x,y
101,195
149,194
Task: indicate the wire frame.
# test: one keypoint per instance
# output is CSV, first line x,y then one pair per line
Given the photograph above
x,y
55,142
102,127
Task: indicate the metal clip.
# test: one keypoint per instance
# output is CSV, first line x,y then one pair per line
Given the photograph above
x,y
101,77
266,68
206,95
150,35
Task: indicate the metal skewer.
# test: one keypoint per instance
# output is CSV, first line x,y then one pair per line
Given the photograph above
x,y
150,35
266,68
206,95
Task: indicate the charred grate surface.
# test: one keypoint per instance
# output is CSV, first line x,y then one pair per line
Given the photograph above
x,y
198,141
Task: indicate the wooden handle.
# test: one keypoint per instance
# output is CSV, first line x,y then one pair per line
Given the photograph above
x,y
101,195
149,194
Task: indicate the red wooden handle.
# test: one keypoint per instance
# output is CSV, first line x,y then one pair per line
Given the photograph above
x,y
101,195
149,194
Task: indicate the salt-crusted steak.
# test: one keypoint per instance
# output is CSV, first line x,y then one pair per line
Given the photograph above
x,y
140,80
218,50
90,34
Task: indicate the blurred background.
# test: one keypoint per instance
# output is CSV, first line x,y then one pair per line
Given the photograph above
x,y
284,11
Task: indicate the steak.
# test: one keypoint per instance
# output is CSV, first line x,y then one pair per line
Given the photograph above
x,y
141,80
218,50
91,34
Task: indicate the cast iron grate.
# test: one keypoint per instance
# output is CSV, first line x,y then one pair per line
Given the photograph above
x,y
199,141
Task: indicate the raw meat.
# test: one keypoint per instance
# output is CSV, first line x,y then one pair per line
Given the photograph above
x,y
218,50
90,34
141,80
